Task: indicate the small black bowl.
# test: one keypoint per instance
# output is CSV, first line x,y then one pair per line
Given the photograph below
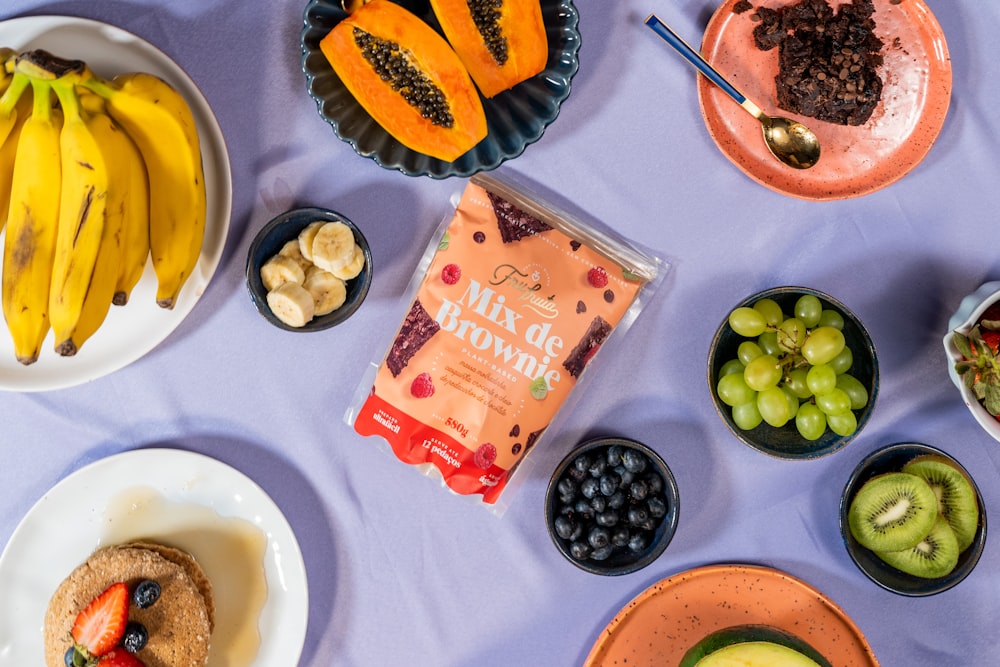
x,y
623,559
892,458
274,235
786,442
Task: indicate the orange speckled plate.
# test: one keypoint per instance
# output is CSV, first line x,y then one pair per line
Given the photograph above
x,y
669,617
855,161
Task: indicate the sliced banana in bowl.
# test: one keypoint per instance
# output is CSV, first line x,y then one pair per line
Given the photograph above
x,y
308,269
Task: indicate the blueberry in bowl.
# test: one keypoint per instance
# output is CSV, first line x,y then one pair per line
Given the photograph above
x,y
612,506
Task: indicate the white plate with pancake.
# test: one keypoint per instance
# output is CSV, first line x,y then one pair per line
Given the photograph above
x,y
130,331
181,499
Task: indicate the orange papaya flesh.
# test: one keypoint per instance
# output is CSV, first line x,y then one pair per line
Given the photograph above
x,y
408,79
501,42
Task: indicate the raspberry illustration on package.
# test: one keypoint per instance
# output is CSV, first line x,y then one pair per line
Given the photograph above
x,y
493,341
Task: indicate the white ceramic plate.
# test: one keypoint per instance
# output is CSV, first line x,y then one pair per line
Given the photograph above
x,y
133,330
65,525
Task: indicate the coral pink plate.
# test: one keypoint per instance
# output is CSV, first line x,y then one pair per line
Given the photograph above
x,y
669,617
855,161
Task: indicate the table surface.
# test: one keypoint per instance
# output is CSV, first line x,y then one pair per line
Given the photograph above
x,y
401,571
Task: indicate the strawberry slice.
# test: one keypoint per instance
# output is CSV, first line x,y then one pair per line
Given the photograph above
x,y
119,657
100,626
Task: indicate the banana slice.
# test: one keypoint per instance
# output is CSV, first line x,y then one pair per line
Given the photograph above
x,y
333,246
292,304
291,249
328,291
352,268
281,269
306,237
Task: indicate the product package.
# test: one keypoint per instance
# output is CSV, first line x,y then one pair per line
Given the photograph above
x,y
508,308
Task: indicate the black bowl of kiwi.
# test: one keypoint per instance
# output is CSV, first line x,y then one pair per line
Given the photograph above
x,y
912,519
793,373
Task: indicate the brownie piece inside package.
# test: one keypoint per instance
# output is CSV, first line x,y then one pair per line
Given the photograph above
x,y
509,308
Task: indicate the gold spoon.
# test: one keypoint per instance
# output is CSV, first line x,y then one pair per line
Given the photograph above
x,y
791,142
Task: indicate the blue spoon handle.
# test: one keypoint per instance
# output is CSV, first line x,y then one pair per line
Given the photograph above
x,y
693,57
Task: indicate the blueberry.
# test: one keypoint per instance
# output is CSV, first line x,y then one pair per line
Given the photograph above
x,y
564,527
638,542
617,500
590,487
603,553
577,532
609,483
638,489
135,637
599,503
657,507
598,467
146,594
581,463
614,455
634,461
625,477
637,514
582,508
599,537
580,550
607,518
655,483
620,536
566,487
70,657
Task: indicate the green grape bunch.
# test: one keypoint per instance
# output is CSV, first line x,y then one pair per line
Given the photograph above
x,y
792,367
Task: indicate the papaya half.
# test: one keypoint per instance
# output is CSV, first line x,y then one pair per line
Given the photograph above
x,y
501,42
407,78
752,645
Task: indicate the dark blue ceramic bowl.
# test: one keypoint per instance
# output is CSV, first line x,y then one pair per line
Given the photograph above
x,y
515,118
274,235
785,442
622,560
892,458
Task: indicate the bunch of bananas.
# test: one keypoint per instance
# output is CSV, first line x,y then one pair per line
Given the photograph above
x,y
96,177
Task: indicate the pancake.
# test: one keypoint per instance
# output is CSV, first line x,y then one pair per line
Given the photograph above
x,y
179,623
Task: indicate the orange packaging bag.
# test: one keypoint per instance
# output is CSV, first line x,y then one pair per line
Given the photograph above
x,y
516,300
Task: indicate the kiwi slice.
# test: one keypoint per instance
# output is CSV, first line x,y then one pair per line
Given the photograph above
x,y
892,511
934,556
956,496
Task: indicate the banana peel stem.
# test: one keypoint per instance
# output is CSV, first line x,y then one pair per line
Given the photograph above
x,y
10,97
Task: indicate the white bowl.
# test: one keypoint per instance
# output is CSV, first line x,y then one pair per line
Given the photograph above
x,y
971,308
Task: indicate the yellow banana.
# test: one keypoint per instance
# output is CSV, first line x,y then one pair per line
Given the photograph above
x,y
129,194
8,152
31,227
163,127
85,267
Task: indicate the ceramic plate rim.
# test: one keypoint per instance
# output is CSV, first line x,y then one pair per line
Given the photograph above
x,y
132,331
715,105
180,475
763,573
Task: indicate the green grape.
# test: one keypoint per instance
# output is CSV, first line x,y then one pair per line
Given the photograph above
x,y
810,422
763,372
809,309
834,402
731,366
822,345
843,424
773,406
793,401
747,416
854,389
768,341
831,318
748,351
821,379
796,381
771,311
791,334
843,361
747,322
733,390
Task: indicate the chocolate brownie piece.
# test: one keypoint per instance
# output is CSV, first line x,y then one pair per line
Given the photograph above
x,y
514,224
827,61
417,329
594,337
